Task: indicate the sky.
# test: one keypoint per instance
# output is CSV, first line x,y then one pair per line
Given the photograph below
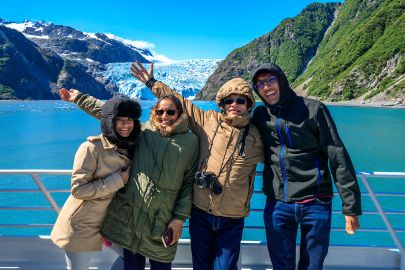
x,y
178,29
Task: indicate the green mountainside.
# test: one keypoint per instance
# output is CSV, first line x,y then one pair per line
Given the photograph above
x,y
359,54
362,56
292,44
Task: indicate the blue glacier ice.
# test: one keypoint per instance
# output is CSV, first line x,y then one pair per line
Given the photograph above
x,y
186,77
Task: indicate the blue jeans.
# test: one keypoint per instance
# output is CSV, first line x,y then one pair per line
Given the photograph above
x,y
215,241
281,221
137,262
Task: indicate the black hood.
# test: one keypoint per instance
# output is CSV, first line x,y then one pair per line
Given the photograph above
x,y
120,107
286,93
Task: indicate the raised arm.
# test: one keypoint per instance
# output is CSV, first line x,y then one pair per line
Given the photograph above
x,y
197,117
87,103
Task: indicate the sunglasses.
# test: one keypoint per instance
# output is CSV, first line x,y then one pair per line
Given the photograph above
x,y
169,112
270,80
229,101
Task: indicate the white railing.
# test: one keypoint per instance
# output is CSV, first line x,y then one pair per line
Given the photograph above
x,y
35,175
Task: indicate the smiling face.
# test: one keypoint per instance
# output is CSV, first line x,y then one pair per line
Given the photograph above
x,y
235,105
166,112
124,126
268,88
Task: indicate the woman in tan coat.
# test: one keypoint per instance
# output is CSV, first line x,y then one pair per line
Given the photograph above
x,y
101,167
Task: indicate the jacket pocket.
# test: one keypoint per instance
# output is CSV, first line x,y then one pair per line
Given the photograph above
x,y
250,191
159,228
120,209
77,210
79,216
324,200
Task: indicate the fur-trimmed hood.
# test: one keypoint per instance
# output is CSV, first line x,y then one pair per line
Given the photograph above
x,y
237,86
179,126
120,107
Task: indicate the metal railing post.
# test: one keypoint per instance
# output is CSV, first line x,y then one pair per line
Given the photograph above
x,y
45,192
385,220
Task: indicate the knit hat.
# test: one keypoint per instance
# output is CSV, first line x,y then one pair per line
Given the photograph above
x,y
237,86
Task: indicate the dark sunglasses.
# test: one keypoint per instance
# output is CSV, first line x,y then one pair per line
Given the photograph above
x,y
169,112
229,101
270,80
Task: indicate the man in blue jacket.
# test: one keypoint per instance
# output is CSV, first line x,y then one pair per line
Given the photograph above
x,y
301,141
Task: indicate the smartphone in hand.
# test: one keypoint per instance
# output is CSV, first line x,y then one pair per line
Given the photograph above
x,y
167,237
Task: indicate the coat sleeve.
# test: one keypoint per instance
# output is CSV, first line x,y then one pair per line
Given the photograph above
x,y
83,184
89,104
184,201
197,117
341,165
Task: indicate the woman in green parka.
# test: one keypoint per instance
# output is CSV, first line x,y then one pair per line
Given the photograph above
x,y
158,195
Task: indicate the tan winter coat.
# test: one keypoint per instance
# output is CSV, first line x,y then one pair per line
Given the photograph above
x,y
238,177
95,179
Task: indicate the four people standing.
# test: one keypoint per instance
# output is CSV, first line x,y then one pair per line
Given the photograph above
x,y
300,141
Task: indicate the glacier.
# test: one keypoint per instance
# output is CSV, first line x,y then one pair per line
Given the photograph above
x,y
187,77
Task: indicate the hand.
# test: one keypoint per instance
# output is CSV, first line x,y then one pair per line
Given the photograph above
x,y
125,174
177,227
139,72
352,224
68,95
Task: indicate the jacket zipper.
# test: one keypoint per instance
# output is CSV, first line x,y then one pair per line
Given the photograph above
x,y
282,156
287,130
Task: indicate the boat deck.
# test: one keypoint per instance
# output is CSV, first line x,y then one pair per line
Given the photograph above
x,y
39,253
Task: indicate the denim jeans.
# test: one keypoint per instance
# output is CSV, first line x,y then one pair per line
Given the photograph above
x,y
118,264
78,260
81,260
215,241
281,221
137,262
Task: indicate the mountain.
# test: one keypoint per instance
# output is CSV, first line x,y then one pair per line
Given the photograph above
x,y
37,58
28,71
75,45
292,44
186,77
362,56
354,51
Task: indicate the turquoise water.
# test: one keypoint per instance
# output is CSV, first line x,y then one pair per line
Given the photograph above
x,y
46,134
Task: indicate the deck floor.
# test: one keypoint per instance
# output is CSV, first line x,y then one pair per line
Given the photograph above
x,y
39,253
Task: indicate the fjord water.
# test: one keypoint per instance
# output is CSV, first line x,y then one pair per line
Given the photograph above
x,y
46,135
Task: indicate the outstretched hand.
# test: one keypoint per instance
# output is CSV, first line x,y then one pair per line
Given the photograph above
x,y
352,224
139,72
68,95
